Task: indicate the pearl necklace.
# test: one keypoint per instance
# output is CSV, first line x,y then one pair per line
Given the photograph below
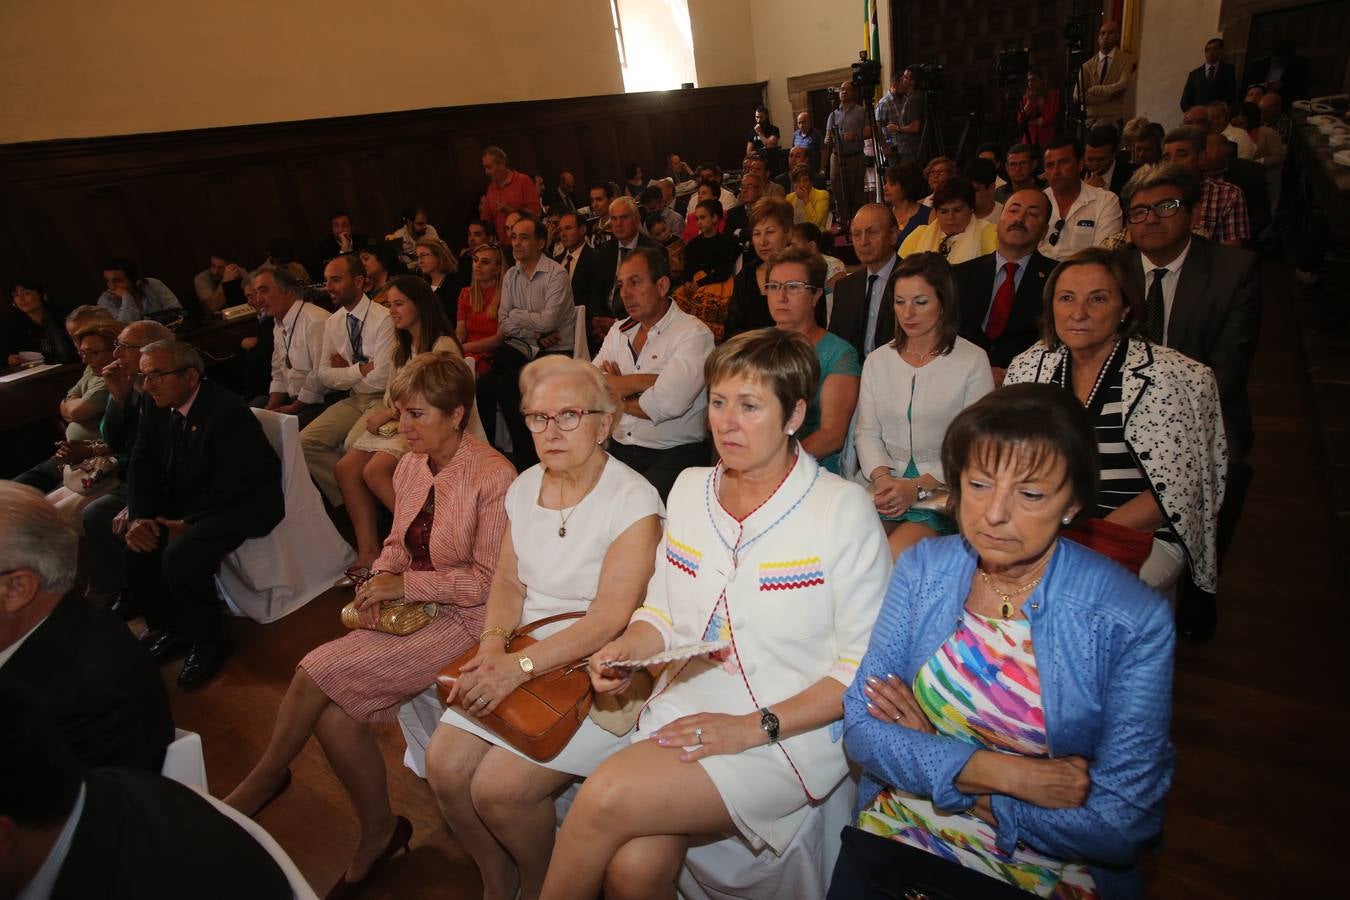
x,y
1101,375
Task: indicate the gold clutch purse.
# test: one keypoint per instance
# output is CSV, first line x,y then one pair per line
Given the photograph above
x,y
400,617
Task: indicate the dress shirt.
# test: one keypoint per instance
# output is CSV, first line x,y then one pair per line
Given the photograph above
x,y
40,885
187,404
850,119
1222,212
205,284
994,215
377,336
1094,217
1169,283
569,259
519,193
676,404
875,300
538,304
297,351
1245,148
1000,275
155,297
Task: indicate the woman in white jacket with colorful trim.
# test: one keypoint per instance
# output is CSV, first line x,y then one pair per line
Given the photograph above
x,y
786,564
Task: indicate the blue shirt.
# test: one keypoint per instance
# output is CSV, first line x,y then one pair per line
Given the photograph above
x,y
874,303
1000,276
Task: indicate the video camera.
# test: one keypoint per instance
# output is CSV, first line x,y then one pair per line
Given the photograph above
x,y
1080,33
1010,66
866,75
928,77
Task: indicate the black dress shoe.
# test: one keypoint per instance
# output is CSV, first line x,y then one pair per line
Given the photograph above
x,y
163,646
125,606
203,662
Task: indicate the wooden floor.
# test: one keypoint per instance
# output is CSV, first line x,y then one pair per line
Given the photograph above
x,y
1258,806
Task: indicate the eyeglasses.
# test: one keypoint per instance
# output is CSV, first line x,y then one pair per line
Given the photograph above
x,y
1163,209
1054,236
791,288
149,378
118,345
567,419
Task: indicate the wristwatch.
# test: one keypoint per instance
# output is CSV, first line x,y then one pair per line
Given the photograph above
x,y
526,664
769,722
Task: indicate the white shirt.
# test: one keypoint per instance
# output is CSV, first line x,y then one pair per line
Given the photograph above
x,y
377,336
1094,217
888,433
1169,284
1245,148
994,215
676,404
297,350
40,885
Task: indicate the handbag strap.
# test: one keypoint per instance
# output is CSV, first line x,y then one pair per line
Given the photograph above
x,y
540,623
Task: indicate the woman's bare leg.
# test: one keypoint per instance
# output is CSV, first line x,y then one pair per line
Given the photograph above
x,y
379,477
514,798
453,756
356,760
360,504
300,710
643,791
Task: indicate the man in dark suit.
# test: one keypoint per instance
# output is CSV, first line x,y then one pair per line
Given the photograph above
x,y
1204,300
582,262
202,480
864,313
103,695
623,225
1102,166
1003,315
1215,80
69,834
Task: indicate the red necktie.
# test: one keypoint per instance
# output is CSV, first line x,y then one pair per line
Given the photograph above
x,y
1003,301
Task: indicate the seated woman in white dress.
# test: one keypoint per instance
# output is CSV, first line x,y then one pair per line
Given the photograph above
x,y
366,471
582,538
744,739
912,388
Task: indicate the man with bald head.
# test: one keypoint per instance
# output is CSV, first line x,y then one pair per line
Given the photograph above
x,y
863,313
797,156
845,131
1106,78
1196,117
1000,292
1219,124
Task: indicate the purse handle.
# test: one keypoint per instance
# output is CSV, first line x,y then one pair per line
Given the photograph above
x,y
539,623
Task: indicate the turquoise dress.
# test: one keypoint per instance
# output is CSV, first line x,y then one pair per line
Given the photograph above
x,y
837,357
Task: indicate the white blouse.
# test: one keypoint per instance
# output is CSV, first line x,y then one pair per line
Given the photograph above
x,y
903,412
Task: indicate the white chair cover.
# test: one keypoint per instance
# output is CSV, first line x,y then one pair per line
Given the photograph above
x,y
579,348
71,505
272,576
183,761
300,888
418,719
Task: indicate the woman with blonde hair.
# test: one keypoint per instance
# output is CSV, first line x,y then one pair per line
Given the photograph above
x,y
476,325
439,267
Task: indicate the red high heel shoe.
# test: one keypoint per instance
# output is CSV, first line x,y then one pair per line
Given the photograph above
x,y
397,841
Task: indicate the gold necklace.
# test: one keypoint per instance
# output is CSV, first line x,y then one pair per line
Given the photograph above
x,y
562,503
1006,609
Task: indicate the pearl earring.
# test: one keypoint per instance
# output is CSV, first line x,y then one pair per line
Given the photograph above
x,y
1066,520
791,432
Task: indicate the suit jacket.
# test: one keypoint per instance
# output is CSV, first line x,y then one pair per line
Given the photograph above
x,y
849,319
1106,99
219,464
1200,90
104,693
607,264
1216,320
974,280
146,837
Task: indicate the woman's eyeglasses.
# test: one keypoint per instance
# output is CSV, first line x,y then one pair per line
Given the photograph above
x,y
1054,235
567,420
791,288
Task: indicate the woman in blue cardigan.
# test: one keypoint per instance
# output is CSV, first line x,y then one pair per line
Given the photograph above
x,y
1011,715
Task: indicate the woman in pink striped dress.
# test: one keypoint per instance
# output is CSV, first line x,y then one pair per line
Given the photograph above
x,y
449,518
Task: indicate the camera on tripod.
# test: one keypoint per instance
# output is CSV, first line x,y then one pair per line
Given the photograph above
x,y
1079,33
866,76
1010,66
928,77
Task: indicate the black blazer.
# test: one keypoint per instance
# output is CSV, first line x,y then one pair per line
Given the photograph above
x,y
974,280
105,695
748,308
1216,320
607,264
849,319
223,468
146,837
1200,90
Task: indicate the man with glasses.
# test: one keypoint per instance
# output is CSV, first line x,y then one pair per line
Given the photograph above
x,y
863,313
1204,300
1082,216
654,361
127,403
1020,165
623,223
202,480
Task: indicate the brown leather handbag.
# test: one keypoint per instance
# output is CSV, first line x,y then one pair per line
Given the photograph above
x,y
539,717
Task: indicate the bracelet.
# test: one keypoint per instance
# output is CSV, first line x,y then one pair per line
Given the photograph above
x,y
494,630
